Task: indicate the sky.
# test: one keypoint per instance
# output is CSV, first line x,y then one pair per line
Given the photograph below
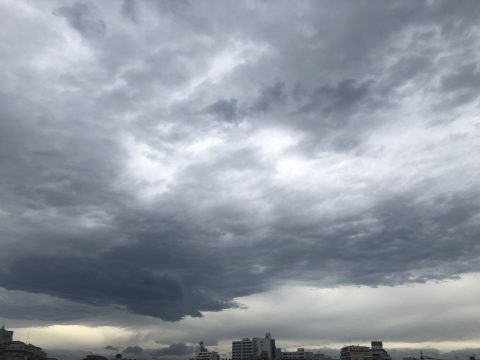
x,y
177,171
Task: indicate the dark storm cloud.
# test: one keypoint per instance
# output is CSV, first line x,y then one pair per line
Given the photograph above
x,y
118,192
112,280
84,18
29,309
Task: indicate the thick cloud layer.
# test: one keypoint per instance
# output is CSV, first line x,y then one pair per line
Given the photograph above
x,y
171,350
165,158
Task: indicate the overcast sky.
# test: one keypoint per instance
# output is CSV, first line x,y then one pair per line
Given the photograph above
x,y
176,171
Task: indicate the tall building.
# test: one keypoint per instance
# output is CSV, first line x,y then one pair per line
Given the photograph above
x,y
378,352
242,349
254,348
356,352
264,347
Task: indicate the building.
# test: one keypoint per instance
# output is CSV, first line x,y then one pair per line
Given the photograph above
x,y
254,348
378,352
95,357
242,349
320,356
278,353
265,347
17,350
300,354
6,336
356,352
202,353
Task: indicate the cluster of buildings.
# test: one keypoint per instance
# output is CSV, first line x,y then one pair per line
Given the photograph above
x,y
265,349
244,349
202,353
17,350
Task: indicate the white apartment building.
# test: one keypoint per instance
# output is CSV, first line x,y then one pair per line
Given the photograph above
x,y
255,348
242,349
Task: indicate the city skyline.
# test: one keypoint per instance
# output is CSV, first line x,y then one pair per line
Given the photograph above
x,y
182,171
248,348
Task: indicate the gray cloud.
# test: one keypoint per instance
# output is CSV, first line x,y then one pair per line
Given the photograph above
x,y
84,18
269,96
226,109
173,349
463,83
130,10
337,98
133,350
177,349
119,193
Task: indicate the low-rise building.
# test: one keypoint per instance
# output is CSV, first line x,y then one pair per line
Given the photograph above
x,y
356,352
95,357
300,354
202,353
320,356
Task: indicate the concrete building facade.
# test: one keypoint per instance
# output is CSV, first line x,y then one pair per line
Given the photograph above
x,y
254,348
242,349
